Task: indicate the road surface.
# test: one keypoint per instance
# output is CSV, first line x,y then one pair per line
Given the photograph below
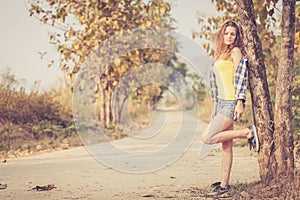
x,y
111,171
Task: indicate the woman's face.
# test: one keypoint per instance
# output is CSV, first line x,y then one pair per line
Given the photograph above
x,y
229,35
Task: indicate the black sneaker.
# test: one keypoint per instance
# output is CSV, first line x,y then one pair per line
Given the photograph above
x,y
218,191
215,184
3,187
253,140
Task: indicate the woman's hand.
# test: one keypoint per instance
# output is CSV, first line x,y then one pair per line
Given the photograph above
x,y
239,109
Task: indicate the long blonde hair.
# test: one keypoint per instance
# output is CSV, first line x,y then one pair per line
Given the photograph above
x,y
222,50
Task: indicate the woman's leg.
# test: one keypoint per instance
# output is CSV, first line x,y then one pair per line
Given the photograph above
x,y
217,131
220,129
227,156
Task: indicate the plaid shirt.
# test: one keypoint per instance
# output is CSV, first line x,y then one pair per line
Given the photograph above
x,y
240,82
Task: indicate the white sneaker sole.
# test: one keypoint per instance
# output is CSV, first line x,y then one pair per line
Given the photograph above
x,y
256,149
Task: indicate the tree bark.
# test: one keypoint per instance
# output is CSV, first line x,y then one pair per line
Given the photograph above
x,y
283,135
261,103
106,95
102,110
108,108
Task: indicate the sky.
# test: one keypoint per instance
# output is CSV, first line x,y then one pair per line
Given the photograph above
x,y
23,37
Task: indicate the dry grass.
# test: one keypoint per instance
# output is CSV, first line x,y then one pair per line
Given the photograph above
x,y
282,188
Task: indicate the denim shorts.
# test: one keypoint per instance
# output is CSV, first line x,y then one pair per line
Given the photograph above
x,y
226,107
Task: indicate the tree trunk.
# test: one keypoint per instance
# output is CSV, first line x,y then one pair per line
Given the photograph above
x,y
106,93
108,108
283,135
102,110
261,103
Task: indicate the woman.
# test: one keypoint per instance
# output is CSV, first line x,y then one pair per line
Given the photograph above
x,y
228,80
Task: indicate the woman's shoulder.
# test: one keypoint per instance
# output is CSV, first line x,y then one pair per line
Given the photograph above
x,y
236,50
236,54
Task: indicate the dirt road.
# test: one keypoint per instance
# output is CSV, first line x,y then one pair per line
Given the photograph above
x,y
78,175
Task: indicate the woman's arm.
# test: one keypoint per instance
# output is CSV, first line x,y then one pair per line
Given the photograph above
x,y
241,78
236,56
241,88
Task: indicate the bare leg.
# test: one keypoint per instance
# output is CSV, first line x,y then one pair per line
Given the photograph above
x,y
217,131
227,156
220,129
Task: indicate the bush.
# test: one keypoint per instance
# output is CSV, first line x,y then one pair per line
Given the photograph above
x,y
36,118
19,107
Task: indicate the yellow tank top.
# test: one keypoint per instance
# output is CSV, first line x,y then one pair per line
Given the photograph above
x,y
224,73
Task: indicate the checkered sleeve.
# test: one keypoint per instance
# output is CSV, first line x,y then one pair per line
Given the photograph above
x,y
241,78
213,86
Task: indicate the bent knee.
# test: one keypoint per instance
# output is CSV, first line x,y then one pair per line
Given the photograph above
x,y
207,140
